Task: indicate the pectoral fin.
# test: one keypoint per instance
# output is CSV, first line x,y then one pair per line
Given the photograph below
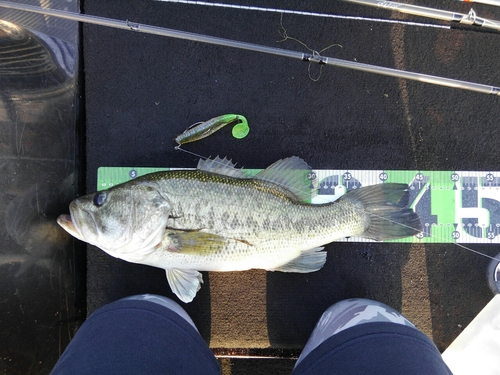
x,y
308,261
184,283
194,242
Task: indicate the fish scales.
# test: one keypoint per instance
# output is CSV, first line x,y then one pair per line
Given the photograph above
x,y
264,228
216,218
253,209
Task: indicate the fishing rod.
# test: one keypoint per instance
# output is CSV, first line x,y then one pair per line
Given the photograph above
x,y
314,57
444,15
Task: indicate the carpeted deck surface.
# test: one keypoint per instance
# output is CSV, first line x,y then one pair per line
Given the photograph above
x,y
142,90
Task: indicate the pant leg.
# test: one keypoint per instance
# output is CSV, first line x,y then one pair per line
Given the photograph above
x,y
375,348
360,336
136,337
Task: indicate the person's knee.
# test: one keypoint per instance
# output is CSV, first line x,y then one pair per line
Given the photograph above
x,y
360,336
139,334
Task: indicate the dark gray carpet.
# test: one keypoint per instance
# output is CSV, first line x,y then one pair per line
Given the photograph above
x,y
142,90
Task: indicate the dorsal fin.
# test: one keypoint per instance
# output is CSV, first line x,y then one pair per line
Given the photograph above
x,y
220,166
292,174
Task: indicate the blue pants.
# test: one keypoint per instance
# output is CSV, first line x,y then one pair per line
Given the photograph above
x,y
142,337
375,348
136,337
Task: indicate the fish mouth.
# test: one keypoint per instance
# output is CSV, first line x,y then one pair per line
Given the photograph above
x,y
66,222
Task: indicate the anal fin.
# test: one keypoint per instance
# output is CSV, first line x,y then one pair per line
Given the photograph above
x,y
184,283
308,261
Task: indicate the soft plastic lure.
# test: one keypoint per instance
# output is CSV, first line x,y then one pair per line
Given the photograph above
x,y
202,130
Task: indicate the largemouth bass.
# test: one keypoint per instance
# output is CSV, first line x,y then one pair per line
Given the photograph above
x,y
216,218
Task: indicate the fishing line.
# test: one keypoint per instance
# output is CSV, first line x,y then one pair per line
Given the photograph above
x,y
444,240
192,153
436,236
304,13
283,33
464,19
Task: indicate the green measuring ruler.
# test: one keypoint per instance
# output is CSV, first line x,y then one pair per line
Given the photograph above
x,y
454,206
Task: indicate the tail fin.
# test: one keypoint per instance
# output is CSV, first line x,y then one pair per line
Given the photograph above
x,y
390,218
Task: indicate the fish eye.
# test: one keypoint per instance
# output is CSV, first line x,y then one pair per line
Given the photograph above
x,y
100,198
